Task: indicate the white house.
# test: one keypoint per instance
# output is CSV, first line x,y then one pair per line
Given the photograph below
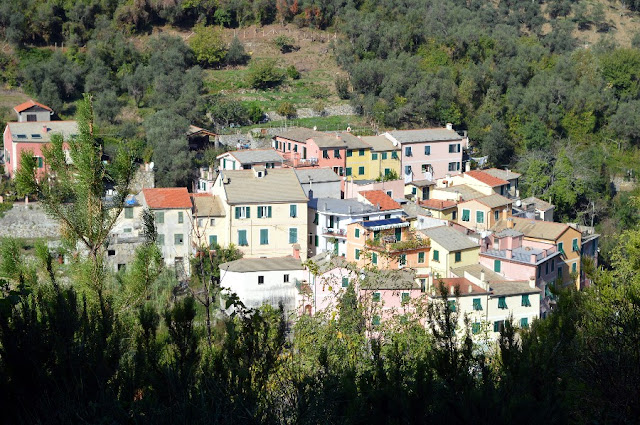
x,y
319,182
258,281
245,159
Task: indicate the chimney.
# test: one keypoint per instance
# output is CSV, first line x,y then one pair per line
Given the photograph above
x,y
482,275
470,289
510,223
449,126
45,130
296,251
533,258
532,281
453,290
505,215
509,254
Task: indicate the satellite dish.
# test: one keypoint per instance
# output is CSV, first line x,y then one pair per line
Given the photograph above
x,y
151,164
518,203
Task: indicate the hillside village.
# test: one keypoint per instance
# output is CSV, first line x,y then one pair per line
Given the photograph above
x,y
401,216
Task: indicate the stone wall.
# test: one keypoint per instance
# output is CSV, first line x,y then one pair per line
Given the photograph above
x,y
28,221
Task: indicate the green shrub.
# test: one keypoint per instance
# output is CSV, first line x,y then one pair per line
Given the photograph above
x,y
293,73
286,109
265,74
342,87
284,43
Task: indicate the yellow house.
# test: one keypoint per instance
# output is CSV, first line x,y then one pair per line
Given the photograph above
x,y
384,157
209,221
266,211
450,249
481,213
419,190
358,158
566,239
442,209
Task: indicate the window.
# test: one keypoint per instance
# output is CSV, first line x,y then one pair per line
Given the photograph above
x,y
394,155
111,252
295,148
345,282
336,153
502,303
264,236
39,162
348,171
374,258
477,304
496,266
316,218
375,321
436,255
479,217
349,153
361,152
285,278
178,239
374,156
160,239
128,212
357,232
466,214
316,241
213,241
289,146
405,297
452,305
454,148
426,168
384,155
264,212
403,259
325,154
421,257
575,246
560,269
454,166
546,268
553,265
561,247
127,229
475,328
427,150
525,301
260,280
180,217
293,235
524,323
496,215
454,215
407,169
203,185
407,151
360,171
242,238
160,217
398,234
32,117
574,267
414,190
357,254
293,211
498,326
243,212
457,256
375,297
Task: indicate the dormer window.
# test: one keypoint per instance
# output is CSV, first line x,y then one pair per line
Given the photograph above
x,y
36,136
260,174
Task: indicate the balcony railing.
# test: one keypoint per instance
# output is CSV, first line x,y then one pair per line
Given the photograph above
x,y
334,232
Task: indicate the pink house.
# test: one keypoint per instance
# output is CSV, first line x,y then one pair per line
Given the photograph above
x,y
393,188
302,147
430,153
32,136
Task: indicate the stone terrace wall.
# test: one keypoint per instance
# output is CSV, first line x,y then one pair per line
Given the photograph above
x,y
28,222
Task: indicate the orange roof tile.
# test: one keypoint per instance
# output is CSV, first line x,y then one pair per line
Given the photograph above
x,y
171,197
378,197
438,204
486,178
29,104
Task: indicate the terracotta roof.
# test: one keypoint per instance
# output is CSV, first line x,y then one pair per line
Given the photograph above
x,y
486,178
30,104
171,197
462,284
378,197
437,204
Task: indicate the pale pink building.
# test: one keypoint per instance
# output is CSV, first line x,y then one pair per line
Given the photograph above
x,y
393,188
430,153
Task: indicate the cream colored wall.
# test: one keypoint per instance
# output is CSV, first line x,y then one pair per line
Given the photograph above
x,y
202,230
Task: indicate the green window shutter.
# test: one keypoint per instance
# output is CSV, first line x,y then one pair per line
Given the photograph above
x,y
374,156
406,297
345,282
361,152
248,211
479,216
525,301
128,212
458,256
264,236
361,171
180,217
213,241
316,240
421,257
436,255
336,248
160,239
502,303
316,217
348,171
375,321
561,247
398,234
452,305
376,297
475,328
357,233
237,212
384,155
357,254
466,214
477,304
524,322
349,152
336,153
497,325
575,246
260,212
293,235
394,155
293,210
376,234
403,259
160,217
242,238
496,266
374,258
574,268
414,190
178,239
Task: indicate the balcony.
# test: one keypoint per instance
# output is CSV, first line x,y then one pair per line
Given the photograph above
x,y
521,254
293,159
336,233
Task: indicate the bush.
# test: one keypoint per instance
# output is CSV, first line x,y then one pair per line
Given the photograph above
x,y
342,87
208,45
286,109
236,55
284,43
293,73
256,114
265,74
